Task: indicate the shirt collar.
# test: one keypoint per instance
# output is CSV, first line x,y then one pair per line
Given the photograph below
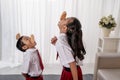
x,y
62,37
31,50
62,34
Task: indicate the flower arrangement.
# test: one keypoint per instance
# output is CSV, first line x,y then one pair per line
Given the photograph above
x,y
107,22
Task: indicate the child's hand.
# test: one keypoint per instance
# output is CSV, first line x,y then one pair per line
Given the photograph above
x,y
32,38
63,16
53,40
18,36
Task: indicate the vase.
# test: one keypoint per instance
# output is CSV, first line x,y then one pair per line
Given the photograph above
x,y
106,32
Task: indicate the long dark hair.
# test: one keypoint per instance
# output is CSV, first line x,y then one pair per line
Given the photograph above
x,y
74,36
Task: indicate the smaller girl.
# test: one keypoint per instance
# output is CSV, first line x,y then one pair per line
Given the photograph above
x,y
70,48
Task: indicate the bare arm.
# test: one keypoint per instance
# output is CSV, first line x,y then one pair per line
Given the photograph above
x,y
74,70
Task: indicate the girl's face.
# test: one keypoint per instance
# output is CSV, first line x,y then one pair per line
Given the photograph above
x,y
28,42
62,24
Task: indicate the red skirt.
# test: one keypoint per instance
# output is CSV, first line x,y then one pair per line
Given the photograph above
x,y
67,75
35,78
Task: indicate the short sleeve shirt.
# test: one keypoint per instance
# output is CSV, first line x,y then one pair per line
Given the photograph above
x,y
31,63
64,50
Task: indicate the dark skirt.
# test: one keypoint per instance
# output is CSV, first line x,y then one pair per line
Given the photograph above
x,y
35,78
67,75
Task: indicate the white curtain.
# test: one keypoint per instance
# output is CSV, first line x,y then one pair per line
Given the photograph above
x,y
40,17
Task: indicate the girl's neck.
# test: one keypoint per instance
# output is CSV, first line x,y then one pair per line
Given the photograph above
x,y
63,32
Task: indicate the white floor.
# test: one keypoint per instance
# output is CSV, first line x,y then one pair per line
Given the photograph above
x,y
87,68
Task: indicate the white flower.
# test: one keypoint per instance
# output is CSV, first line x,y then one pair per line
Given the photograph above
x,y
108,22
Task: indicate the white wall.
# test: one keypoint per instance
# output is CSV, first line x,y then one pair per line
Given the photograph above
x,y
0,33
27,17
89,13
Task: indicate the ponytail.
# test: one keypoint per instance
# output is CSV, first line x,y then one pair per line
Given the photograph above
x,y
74,36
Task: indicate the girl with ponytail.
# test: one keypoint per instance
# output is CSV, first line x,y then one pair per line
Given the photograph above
x,y
69,46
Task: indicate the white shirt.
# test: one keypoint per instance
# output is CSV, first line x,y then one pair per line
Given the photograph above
x,y
65,52
31,63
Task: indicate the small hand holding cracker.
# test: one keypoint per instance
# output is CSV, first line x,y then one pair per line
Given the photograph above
x,y
17,36
32,38
63,16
